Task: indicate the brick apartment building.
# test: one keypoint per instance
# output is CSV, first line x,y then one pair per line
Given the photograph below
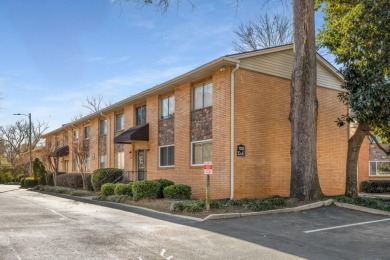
x,y
232,111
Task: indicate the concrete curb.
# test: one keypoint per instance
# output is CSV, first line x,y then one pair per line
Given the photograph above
x,y
360,208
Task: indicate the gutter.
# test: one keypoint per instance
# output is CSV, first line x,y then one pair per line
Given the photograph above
x,y
232,78
108,143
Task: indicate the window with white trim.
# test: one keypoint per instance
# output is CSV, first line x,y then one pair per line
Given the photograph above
x,y
167,156
140,115
167,107
74,164
87,163
87,132
379,168
119,122
102,161
120,160
103,127
201,151
75,135
202,95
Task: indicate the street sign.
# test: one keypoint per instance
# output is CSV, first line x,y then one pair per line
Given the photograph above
x,y
240,150
208,168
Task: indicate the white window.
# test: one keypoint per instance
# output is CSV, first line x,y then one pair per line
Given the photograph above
x,y
103,160
103,127
119,122
379,168
120,160
87,132
201,151
167,107
75,135
140,115
74,165
167,156
87,164
202,96
66,166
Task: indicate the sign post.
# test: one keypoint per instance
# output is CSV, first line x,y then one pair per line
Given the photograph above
x,y
208,170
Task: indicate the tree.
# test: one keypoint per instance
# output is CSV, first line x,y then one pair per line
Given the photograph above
x,y
15,140
264,32
304,105
39,171
357,32
94,104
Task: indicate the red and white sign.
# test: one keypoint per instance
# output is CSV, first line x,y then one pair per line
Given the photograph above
x,y
208,167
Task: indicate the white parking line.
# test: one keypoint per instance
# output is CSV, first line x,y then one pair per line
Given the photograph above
x,y
345,226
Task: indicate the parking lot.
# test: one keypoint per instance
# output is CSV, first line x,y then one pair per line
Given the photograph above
x,y
323,233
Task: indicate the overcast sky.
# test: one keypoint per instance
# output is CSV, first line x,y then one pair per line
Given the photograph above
x,y
56,53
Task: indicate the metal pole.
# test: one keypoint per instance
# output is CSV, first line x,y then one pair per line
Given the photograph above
x,y
208,192
29,144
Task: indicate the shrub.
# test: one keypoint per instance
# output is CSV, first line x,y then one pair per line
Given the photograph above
x,y
39,171
70,180
188,206
22,182
376,186
49,178
105,175
124,189
145,190
108,189
88,181
163,183
264,204
30,182
177,191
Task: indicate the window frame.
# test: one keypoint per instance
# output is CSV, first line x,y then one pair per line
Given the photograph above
x,y
169,98
75,135
142,115
105,127
87,134
116,159
376,169
122,121
192,151
105,161
159,156
202,85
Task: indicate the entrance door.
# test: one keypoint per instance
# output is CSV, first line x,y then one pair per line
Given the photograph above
x,y
141,164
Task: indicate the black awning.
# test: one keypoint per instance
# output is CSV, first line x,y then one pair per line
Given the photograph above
x,y
136,133
61,152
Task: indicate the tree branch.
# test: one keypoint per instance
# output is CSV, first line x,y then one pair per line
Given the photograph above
x,y
380,146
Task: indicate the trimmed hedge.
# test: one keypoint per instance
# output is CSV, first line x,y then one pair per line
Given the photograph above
x,y
145,190
177,191
124,189
163,183
49,178
30,182
70,180
108,189
376,186
105,175
22,182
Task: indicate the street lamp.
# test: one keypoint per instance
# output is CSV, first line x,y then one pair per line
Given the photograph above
x,y
29,138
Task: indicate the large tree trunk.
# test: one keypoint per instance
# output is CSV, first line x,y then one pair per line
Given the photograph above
x,y
304,106
354,144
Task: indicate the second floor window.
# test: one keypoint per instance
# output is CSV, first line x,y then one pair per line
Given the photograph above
x,y
87,132
75,135
65,138
140,115
202,96
167,107
103,127
119,122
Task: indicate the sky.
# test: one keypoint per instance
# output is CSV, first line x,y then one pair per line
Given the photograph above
x,y
54,54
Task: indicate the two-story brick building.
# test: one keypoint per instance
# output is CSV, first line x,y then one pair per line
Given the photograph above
x,y
232,111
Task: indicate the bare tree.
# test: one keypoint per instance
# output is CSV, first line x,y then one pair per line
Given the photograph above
x,y
264,32
93,104
15,139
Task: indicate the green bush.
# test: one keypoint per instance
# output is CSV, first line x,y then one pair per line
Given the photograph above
x,y
39,171
163,183
177,191
22,182
49,178
105,175
376,186
264,204
375,203
30,182
124,189
145,190
70,180
188,206
108,189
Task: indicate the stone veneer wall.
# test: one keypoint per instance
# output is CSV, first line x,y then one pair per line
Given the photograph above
x,y
166,131
201,124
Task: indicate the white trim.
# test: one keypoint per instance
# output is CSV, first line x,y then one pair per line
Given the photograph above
x,y
232,140
123,125
159,156
201,141
193,95
376,169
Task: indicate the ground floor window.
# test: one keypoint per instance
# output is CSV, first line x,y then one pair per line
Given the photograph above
x,y
167,156
201,151
379,168
66,166
87,164
74,165
120,160
103,160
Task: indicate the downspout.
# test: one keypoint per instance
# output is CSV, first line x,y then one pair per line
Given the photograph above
x,y
108,142
232,78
